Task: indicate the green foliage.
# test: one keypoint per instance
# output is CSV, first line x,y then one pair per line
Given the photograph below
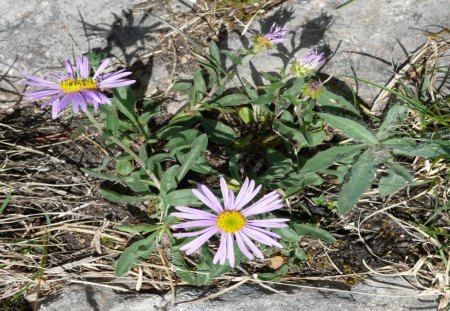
x,y
134,253
360,180
273,133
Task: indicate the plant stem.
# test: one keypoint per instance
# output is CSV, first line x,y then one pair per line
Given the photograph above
x,y
125,148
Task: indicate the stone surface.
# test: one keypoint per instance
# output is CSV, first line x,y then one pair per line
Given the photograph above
x,y
366,38
36,36
387,294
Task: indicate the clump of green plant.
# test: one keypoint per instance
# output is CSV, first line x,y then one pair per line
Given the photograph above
x,y
276,136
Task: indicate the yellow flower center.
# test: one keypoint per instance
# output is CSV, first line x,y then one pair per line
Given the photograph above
x,y
76,85
230,221
262,43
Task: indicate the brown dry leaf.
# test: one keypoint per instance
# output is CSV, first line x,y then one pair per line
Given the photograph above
x,y
276,262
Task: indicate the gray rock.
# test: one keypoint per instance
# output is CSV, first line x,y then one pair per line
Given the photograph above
x,y
36,36
386,294
368,37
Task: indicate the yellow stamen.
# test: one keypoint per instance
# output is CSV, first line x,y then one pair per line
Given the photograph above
x,y
261,43
230,221
76,85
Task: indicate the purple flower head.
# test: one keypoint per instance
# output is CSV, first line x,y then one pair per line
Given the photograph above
x,y
312,89
76,87
231,221
307,64
274,36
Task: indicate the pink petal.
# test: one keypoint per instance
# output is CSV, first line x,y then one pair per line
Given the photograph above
x,y
221,254
206,196
198,242
102,67
195,223
188,234
242,246
192,216
260,237
230,249
194,211
250,244
224,189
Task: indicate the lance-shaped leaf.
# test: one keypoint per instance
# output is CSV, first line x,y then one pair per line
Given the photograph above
x,y
327,157
125,102
391,184
418,147
218,131
134,253
328,99
361,177
394,117
168,182
116,197
198,147
350,128
314,232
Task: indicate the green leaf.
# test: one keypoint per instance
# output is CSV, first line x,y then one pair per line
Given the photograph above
x,y
134,253
333,101
168,181
289,132
232,100
199,82
351,128
140,228
138,183
111,121
182,86
246,115
287,234
124,165
250,90
104,176
360,180
418,147
264,100
235,59
183,197
314,232
399,170
270,77
182,139
214,51
116,197
125,102
394,118
391,183
218,132
158,158
329,156
198,148
200,166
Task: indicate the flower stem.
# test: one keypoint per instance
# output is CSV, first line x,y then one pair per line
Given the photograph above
x,y
126,149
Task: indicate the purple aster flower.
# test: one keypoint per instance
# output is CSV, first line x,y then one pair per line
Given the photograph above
x,y
76,87
268,40
231,221
307,64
